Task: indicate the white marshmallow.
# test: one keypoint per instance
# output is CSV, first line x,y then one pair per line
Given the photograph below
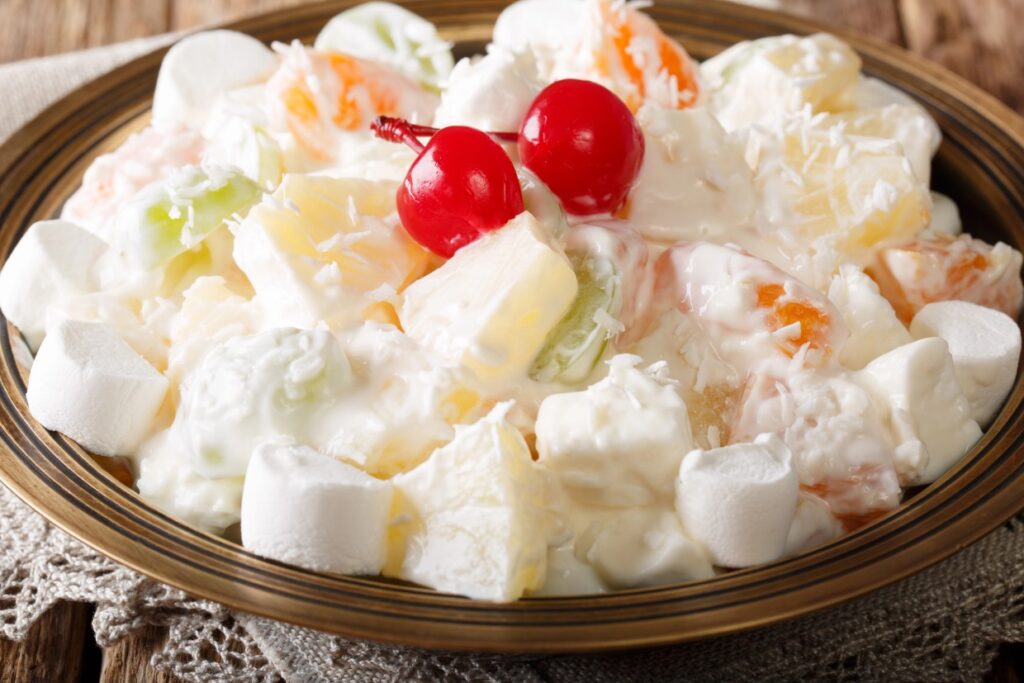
x,y
305,508
874,327
927,409
490,312
473,520
545,24
642,547
620,441
985,346
53,262
200,67
738,501
87,383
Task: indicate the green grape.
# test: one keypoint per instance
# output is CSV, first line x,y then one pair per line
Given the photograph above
x,y
578,341
168,218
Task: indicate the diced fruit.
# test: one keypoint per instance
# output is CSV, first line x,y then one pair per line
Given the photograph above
x,y
944,268
490,312
584,144
748,306
316,95
147,156
910,125
248,147
326,249
471,519
592,439
763,81
838,194
624,49
390,34
874,328
576,344
168,218
277,383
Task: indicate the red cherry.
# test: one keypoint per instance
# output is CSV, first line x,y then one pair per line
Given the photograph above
x,y
584,143
460,186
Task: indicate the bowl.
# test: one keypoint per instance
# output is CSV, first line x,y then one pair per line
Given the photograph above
x,y
980,164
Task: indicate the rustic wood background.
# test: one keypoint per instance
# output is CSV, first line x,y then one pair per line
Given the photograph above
x,y
982,40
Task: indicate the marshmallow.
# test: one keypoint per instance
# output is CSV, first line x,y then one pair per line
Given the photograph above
x,y
473,518
307,509
200,67
738,501
927,409
985,346
87,383
813,525
487,311
281,383
54,261
642,547
168,482
874,327
620,441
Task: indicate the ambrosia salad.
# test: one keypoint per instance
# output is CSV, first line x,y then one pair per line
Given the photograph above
x,y
576,315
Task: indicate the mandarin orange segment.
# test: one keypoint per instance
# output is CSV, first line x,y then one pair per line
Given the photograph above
x,y
943,268
316,94
815,324
641,63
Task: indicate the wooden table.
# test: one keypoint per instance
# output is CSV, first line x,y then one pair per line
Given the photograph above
x,y
980,39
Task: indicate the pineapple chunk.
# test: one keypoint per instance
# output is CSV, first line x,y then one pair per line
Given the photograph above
x,y
328,249
763,81
836,194
493,304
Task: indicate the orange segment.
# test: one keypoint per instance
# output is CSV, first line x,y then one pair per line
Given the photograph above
x,y
316,94
815,324
642,63
944,268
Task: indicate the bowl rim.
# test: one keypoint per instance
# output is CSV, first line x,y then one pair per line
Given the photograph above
x,y
66,486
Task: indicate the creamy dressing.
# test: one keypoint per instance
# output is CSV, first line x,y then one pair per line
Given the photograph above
x,y
533,402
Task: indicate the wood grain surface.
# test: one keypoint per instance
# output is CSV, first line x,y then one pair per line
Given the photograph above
x,y
980,39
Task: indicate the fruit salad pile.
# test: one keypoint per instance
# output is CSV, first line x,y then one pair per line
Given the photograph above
x,y
575,315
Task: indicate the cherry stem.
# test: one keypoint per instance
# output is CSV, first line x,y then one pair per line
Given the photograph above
x,y
394,129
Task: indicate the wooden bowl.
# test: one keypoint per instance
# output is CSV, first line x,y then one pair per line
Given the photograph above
x,y
981,164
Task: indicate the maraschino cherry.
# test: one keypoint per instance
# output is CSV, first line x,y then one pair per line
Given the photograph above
x,y
577,137
584,143
461,185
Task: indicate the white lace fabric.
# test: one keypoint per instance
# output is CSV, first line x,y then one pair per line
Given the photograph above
x,y
942,624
